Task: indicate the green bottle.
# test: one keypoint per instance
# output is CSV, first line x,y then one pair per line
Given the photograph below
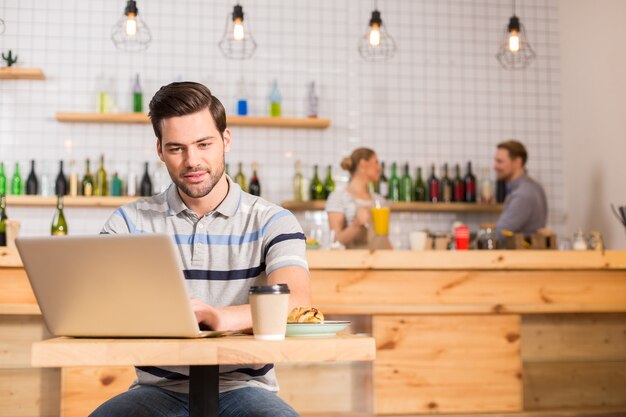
x,y
116,186
329,184
406,185
102,187
137,96
317,188
87,183
240,178
59,225
394,184
3,220
3,180
275,99
16,181
419,193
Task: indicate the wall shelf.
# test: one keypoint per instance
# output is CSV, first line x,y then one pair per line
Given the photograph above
x,y
19,73
79,201
285,122
407,207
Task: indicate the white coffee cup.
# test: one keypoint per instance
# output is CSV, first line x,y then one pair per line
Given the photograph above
x,y
269,305
417,240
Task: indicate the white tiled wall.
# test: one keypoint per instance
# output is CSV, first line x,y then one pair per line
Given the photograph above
x,y
442,98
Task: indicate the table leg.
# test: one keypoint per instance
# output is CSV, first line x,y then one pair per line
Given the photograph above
x,y
204,384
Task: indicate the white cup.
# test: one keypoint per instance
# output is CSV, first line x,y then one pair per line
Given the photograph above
x,y
417,240
269,305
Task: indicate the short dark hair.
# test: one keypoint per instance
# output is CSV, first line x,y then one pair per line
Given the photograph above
x,y
516,150
181,99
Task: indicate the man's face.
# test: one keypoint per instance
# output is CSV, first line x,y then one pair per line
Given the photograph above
x,y
193,151
505,166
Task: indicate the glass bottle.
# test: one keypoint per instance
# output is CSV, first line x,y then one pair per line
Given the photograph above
x,y
3,180
87,184
102,186
419,193
240,178
500,191
116,185
433,186
458,186
383,182
242,98
131,182
103,95
445,186
406,185
32,184
394,184
329,183
486,187
317,188
3,220
254,187
73,179
137,96
312,101
298,194
145,187
16,181
60,184
59,225
470,185
275,100
487,238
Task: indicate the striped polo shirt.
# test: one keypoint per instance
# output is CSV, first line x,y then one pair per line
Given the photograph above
x,y
223,254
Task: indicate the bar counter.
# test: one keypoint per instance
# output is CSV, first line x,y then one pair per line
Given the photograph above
x,y
518,333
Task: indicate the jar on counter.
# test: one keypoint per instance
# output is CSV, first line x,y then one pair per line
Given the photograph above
x,y
487,238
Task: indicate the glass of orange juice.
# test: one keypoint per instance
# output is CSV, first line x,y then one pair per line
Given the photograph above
x,y
380,217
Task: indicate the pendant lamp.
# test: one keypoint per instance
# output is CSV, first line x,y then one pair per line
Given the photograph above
x,y
376,44
237,41
515,51
130,33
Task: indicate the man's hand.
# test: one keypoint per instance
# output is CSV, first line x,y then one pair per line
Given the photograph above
x,y
206,314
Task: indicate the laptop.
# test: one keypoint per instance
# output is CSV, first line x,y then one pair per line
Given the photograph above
x,y
110,286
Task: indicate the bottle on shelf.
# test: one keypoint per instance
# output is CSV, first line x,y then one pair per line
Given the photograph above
x,y
383,183
298,193
329,183
433,186
87,184
32,184
255,186
240,178
145,187
312,101
242,98
59,225
419,193
137,95
16,181
73,179
469,183
131,182
275,100
46,186
306,187
445,186
60,184
406,185
102,185
3,220
317,188
394,184
486,187
116,185
458,186
103,94
3,180
500,191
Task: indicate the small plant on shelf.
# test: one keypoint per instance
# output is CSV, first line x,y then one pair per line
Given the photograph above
x,y
9,58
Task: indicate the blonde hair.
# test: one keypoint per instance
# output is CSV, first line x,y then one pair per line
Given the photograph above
x,y
351,163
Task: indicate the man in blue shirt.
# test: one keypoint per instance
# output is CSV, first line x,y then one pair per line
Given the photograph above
x,y
525,207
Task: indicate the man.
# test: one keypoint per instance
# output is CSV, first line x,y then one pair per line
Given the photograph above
x,y
525,207
228,240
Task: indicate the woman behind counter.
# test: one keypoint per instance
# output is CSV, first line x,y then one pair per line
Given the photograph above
x,y
349,209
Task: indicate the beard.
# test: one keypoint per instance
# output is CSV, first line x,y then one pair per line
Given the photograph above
x,y
202,189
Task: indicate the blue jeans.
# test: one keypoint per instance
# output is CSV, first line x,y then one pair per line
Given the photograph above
x,y
147,401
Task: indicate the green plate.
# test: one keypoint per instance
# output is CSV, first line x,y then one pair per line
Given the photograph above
x,y
328,328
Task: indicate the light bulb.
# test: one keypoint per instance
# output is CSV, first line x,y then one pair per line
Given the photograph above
x,y
514,41
131,25
238,33
375,36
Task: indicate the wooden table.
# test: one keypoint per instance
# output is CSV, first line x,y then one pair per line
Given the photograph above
x,y
202,355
